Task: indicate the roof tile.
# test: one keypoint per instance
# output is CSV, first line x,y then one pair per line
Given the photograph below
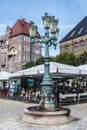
x,y
20,27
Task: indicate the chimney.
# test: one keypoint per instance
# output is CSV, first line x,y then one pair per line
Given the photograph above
x,y
8,30
23,19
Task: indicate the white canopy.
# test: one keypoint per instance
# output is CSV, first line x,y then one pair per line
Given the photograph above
x,y
83,69
54,67
4,75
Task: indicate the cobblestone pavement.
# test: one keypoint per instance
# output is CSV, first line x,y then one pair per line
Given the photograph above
x,y
11,113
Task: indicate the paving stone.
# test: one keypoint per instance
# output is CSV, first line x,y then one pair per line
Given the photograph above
x,y
11,113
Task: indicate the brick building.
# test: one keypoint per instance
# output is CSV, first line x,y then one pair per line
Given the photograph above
x,y
76,40
15,47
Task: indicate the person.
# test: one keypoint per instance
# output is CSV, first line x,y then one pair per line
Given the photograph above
x,y
12,89
37,94
23,93
18,90
56,96
27,96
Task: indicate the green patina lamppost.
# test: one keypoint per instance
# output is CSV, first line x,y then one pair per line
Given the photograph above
x,y
49,38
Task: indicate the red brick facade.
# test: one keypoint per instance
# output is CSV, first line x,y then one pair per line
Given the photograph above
x,y
15,47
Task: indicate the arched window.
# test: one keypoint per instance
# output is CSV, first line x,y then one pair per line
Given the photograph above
x,y
82,44
66,48
12,51
75,46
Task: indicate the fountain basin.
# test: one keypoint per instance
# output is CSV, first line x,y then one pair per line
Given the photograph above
x,y
34,115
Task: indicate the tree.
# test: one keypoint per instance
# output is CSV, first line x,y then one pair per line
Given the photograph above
x,y
39,61
67,58
29,65
64,58
83,58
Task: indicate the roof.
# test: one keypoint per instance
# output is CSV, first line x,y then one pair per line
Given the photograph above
x,y
54,68
4,75
20,27
83,68
79,30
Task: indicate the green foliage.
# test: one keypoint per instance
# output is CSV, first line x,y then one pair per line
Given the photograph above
x,y
67,58
83,58
39,61
52,58
29,65
32,63
64,58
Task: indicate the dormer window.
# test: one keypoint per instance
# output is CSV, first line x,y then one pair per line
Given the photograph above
x,y
80,30
72,33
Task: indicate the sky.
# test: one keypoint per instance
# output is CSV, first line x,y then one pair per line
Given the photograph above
x,y
68,12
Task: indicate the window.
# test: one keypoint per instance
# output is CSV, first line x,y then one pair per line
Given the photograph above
x,y
23,58
19,58
26,58
13,51
66,48
82,45
4,50
19,48
76,46
72,33
80,30
24,38
28,49
28,39
19,38
37,51
24,48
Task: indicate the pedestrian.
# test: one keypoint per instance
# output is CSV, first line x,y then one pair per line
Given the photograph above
x,y
56,96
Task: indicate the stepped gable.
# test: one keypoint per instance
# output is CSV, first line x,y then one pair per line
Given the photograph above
x,y
79,30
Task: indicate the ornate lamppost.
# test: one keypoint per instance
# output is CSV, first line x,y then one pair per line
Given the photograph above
x,y
49,38
46,113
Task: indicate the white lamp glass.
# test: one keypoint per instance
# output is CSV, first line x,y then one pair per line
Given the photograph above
x,y
32,30
53,25
46,21
56,34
